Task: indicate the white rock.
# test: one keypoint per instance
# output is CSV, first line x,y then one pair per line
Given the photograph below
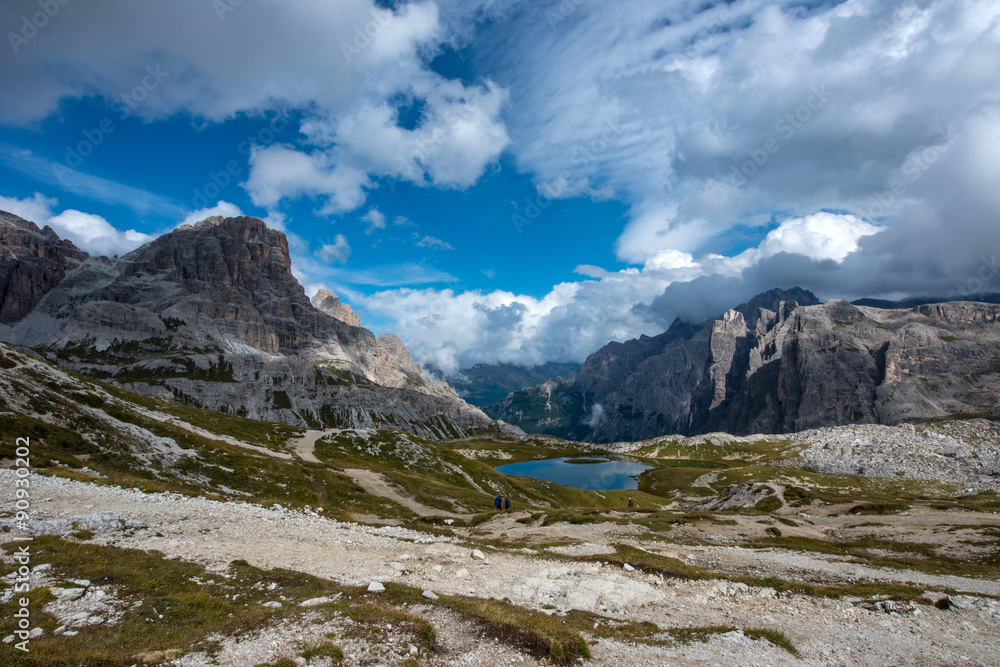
x,y
629,568
478,555
58,631
81,582
437,568
67,594
273,604
462,573
70,633
431,595
315,602
35,632
449,521
376,587
8,639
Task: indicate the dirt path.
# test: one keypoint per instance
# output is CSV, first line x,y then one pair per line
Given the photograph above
x,y
304,446
375,484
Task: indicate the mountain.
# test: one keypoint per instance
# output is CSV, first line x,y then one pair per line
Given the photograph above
x,y
914,301
780,363
487,383
212,315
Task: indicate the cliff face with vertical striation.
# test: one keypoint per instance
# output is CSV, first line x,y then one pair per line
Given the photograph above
x,y
777,364
212,314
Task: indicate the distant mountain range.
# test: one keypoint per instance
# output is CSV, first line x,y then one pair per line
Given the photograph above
x,y
488,383
211,314
780,363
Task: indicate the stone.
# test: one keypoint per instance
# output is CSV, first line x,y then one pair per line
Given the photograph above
x,y
462,573
479,555
35,633
67,594
315,602
376,587
274,604
430,595
629,568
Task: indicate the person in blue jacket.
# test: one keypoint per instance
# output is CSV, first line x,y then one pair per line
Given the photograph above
x,y
496,503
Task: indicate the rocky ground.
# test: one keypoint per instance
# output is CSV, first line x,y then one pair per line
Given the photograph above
x,y
556,579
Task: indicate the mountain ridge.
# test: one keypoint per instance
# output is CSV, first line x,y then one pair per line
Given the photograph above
x,y
211,314
773,365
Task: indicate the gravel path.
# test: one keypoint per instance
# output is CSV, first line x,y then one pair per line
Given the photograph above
x,y
304,446
826,632
377,485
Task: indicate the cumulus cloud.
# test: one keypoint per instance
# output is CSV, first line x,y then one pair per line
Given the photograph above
x,y
223,208
338,251
37,208
703,117
282,172
455,330
375,220
88,232
347,69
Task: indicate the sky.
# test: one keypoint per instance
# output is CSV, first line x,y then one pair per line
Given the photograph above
x,y
522,182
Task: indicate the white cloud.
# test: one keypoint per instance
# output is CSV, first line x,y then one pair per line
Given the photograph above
x,y
375,220
88,232
455,330
346,66
223,208
281,172
37,208
338,251
95,234
433,242
703,117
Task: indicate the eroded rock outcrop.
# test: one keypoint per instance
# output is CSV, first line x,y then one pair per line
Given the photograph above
x,y
212,313
778,364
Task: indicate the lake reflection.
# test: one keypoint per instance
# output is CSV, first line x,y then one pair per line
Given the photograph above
x,y
594,473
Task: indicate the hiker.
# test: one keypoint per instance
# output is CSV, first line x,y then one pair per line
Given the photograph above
x,y
323,426
496,503
506,503
630,503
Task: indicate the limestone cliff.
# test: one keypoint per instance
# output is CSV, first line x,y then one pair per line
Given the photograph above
x,y
776,365
212,313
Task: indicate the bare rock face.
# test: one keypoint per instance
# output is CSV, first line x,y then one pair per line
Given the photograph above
x,y
212,314
32,262
775,365
330,303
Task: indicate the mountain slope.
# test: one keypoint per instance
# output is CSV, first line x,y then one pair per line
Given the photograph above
x,y
212,314
774,365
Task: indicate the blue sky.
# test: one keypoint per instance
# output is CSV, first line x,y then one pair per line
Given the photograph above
x,y
499,180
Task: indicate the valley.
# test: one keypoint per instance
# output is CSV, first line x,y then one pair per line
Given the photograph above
x,y
260,541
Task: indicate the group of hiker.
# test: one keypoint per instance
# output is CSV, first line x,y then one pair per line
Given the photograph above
x,y
502,501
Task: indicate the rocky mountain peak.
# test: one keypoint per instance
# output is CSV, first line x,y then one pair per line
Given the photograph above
x,y
212,313
330,303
